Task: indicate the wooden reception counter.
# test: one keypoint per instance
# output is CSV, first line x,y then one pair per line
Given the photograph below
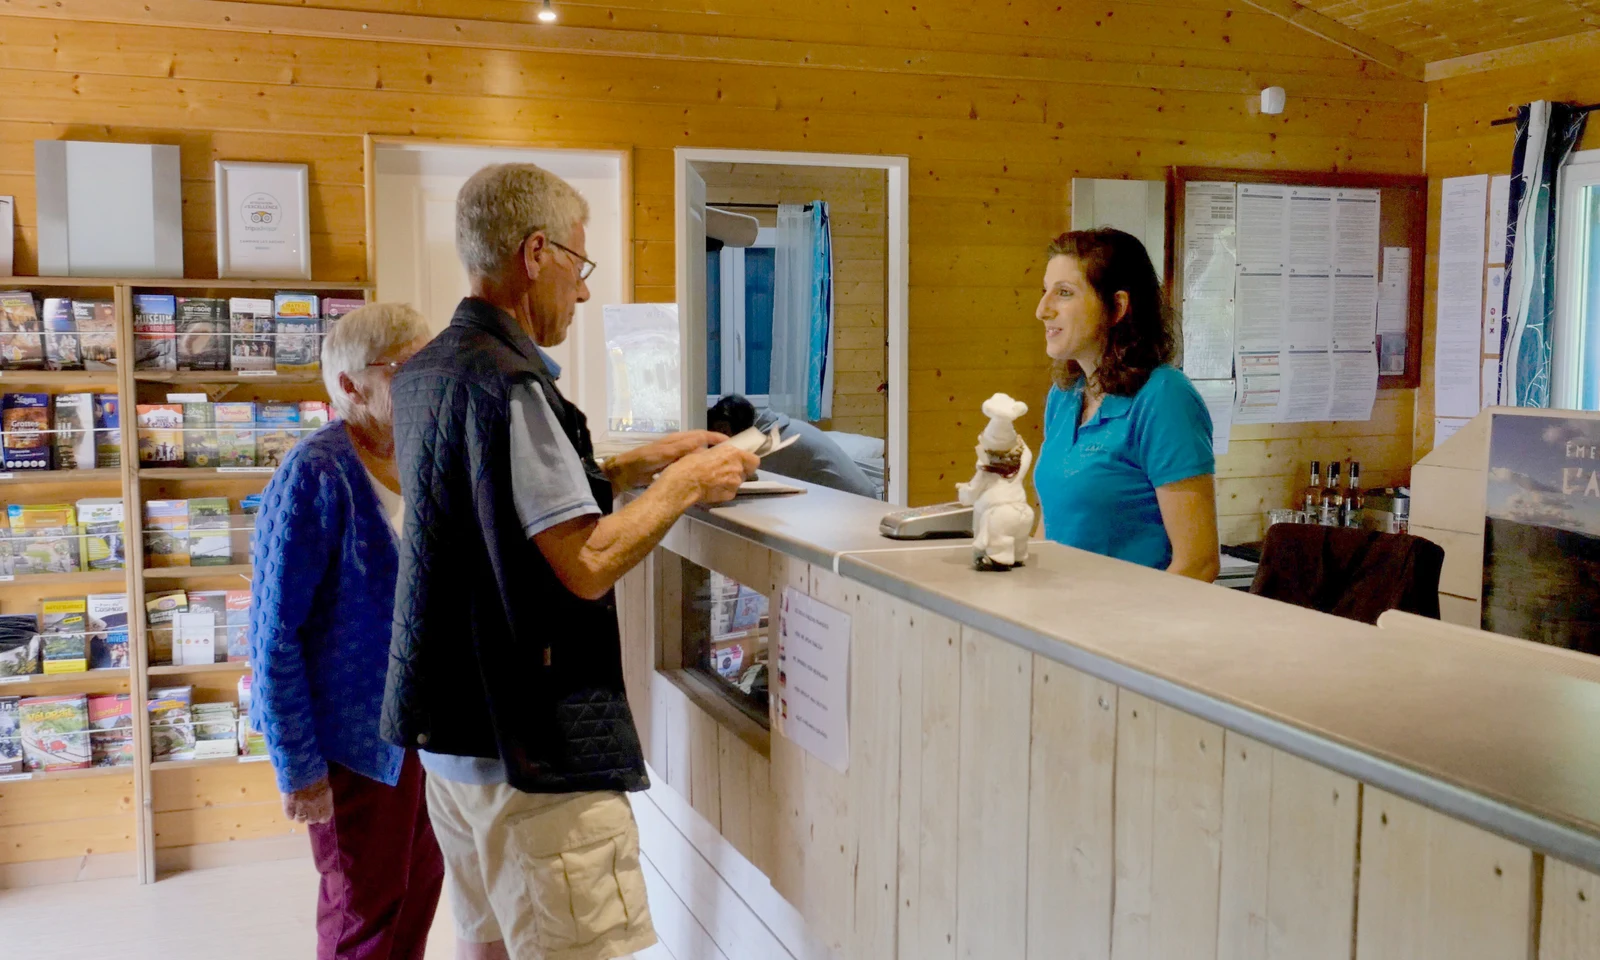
x,y
1082,758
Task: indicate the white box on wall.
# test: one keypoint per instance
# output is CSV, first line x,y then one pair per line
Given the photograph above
x,y
1138,207
108,209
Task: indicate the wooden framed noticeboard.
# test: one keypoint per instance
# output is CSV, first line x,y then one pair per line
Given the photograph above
x,y
1403,223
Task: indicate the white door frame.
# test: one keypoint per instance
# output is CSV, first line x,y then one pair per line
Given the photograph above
x,y
692,342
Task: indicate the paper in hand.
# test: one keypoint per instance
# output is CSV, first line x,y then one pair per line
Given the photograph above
x,y
751,440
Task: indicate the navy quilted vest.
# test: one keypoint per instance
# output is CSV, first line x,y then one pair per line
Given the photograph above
x,y
491,655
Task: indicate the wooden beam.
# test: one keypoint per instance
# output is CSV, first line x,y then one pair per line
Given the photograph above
x,y
262,18
1333,31
1521,55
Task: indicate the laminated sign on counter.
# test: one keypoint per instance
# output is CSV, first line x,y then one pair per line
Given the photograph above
x,y
813,688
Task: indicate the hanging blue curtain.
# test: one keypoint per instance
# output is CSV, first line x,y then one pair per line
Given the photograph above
x,y
819,365
1546,135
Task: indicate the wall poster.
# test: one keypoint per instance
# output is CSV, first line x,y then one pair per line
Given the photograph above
x,y
1541,537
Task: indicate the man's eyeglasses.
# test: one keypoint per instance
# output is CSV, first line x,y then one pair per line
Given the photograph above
x,y
389,365
585,265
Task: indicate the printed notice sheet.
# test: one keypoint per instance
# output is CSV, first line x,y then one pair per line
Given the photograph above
x,y
1490,385
1494,301
1218,395
1459,320
1445,427
1394,308
1499,209
814,678
1209,236
1260,388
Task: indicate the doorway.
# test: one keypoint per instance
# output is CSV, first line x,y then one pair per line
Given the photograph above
x,y
730,291
412,192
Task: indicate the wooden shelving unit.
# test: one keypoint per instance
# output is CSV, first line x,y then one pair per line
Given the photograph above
x,y
203,377
206,473
91,579
66,379
53,477
84,774
18,686
197,573
195,669
22,594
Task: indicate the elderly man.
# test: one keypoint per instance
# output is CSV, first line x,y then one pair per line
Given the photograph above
x,y
325,563
506,667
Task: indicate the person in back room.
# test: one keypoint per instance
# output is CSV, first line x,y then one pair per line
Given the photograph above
x,y
814,458
506,662
1126,468
321,612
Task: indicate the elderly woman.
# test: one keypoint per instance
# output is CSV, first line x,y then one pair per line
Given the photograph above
x,y
325,565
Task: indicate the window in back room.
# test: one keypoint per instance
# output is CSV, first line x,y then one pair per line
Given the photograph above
x,y
1576,348
739,293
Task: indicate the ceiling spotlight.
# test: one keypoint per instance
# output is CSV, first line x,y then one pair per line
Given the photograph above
x,y
547,13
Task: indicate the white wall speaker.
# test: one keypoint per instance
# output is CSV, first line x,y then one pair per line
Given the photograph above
x,y
1272,100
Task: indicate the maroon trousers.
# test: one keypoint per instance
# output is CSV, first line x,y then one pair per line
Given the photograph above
x,y
381,868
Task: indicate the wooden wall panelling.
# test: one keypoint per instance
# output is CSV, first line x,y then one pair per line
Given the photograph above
x,y
995,124
705,791
78,817
679,751
880,638
733,789
791,834
1168,832
1072,768
1288,856
831,797
1432,888
930,752
992,821
1461,141
1570,911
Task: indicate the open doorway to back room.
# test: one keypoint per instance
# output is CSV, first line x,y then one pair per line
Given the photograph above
x,y
791,294
413,189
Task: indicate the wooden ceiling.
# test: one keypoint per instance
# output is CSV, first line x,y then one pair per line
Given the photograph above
x,y
1430,30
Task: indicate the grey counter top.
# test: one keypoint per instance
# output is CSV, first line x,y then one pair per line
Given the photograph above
x,y
817,526
1503,735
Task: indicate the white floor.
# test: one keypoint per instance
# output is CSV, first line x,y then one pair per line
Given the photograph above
x,y
265,911
259,911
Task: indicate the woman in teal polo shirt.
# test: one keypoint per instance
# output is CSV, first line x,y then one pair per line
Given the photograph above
x,y
1126,468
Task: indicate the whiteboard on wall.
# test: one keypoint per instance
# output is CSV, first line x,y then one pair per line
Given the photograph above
x,y
1138,207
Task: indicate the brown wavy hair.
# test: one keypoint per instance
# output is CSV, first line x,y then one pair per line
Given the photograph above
x,y
1141,340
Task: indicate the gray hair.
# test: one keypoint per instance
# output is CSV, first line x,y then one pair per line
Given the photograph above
x,y
362,336
500,205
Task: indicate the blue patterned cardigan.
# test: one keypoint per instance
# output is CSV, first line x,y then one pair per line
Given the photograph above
x,y
320,615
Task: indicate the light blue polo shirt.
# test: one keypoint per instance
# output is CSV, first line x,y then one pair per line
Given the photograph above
x,y
1097,483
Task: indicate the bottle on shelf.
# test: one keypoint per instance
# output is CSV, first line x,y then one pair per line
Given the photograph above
x,y
1353,500
1332,498
1311,497
1402,510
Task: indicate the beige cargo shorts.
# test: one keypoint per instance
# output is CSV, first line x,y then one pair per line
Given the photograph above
x,y
556,876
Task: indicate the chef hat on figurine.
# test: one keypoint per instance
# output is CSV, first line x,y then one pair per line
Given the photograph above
x,y
1001,411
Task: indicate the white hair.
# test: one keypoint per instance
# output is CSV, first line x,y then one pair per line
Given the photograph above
x,y
500,205
362,336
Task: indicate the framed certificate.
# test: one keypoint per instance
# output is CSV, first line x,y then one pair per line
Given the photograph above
x,y
263,220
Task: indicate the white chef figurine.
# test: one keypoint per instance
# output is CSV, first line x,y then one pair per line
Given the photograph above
x,y
1001,517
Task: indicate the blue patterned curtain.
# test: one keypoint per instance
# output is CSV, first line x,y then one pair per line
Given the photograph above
x,y
819,366
1546,135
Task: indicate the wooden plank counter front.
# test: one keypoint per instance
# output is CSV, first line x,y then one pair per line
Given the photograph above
x,y
1087,759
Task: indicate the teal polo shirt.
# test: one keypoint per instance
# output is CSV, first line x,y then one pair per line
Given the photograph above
x,y
1097,482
